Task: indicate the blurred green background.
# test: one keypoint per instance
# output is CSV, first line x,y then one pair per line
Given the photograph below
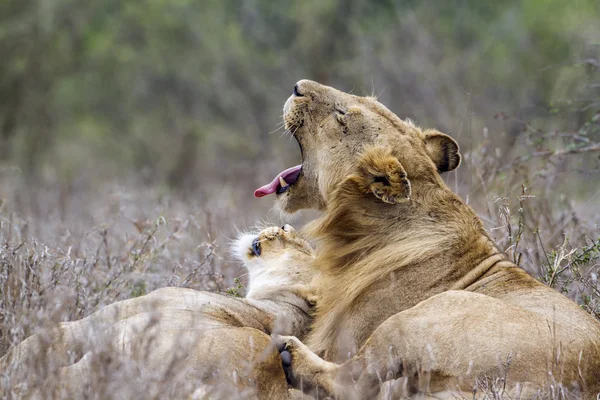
x,y
180,92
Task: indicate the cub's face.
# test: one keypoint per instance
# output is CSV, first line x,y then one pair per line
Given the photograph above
x,y
275,257
332,129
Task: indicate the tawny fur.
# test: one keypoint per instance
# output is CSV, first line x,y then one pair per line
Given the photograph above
x,y
414,254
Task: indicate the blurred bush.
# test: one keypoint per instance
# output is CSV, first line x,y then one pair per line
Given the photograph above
x,y
169,89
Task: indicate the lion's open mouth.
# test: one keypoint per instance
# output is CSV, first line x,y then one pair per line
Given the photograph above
x,y
281,183
285,179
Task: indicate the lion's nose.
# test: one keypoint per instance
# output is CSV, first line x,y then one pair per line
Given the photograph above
x,y
296,92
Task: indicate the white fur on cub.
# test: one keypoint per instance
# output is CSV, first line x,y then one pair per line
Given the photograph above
x,y
284,260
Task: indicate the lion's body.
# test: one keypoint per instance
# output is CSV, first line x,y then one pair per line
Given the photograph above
x,y
408,272
501,312
219,346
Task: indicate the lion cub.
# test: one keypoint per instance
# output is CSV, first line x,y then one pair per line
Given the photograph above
x,y
279,261
219,346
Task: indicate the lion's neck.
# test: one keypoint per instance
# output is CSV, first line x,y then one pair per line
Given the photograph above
x,y
405,258
436,226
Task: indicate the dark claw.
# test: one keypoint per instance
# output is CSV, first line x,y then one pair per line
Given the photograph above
x,y
286,363
280,346
286,358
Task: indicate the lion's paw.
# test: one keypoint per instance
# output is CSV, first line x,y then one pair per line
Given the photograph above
x,y
302,367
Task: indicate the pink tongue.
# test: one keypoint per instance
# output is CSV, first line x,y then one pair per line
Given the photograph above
x,y
272,187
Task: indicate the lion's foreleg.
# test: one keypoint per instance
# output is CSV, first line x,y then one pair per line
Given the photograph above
x,y
353,379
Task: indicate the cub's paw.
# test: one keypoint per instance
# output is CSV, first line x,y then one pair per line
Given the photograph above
x,y
380,173
305,292
303,368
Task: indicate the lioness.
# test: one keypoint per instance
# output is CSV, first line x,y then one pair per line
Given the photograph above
x,y
408,274
217,342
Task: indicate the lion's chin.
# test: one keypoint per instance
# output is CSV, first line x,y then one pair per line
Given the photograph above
x,y
301,196
286,205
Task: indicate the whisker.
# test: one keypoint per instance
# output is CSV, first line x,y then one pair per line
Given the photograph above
x,y
283,133
276,129
372,87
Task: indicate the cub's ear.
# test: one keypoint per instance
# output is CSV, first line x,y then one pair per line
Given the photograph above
x,y
442,149
381,174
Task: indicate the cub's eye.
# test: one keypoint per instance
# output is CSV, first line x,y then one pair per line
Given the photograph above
x,y
340,111
256,247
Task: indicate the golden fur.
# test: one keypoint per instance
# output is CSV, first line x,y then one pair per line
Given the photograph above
x,y
219,345
408,274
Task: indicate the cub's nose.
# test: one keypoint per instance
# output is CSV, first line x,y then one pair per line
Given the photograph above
x,y
296,92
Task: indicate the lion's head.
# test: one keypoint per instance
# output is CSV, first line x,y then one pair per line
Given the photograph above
x,y
275,257
333,128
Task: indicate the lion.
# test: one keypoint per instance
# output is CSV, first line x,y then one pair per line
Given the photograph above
x,y
410,283
221,343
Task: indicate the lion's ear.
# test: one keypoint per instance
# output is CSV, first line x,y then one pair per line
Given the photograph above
x,y
381,174
442,149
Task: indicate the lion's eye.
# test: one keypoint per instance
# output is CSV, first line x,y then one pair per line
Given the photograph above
x,y
340,116
256,247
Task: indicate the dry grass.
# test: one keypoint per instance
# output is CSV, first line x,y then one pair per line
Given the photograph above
x,y
68,251
65,255
543,210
